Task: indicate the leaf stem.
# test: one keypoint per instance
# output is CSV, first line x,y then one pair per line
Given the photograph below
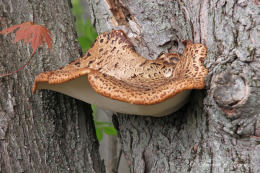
x,y
19,69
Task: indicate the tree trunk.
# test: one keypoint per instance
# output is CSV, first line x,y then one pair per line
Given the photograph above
x,y
219,129
45,132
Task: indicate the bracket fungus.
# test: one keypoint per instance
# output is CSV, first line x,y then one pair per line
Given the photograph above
x,y
113,76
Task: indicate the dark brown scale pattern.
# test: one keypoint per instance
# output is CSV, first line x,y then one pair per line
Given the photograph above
x,y
115,70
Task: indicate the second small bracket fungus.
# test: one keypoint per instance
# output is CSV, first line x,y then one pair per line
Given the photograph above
x,y
113,76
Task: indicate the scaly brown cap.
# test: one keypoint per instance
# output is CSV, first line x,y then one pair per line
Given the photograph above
x,y
116,71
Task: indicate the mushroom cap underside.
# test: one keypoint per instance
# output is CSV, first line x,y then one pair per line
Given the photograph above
x,y
80,89
115,70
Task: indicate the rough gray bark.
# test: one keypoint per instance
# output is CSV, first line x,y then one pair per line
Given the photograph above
x,y
219,129
45,132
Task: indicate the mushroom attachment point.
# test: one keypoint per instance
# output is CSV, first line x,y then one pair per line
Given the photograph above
x,y
113,76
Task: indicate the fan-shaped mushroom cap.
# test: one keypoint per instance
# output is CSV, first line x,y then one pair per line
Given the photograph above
x,y
130,83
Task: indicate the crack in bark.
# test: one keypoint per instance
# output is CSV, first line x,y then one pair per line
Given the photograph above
x,y
120,13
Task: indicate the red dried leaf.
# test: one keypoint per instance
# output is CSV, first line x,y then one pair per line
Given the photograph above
x,y
30,33
14,27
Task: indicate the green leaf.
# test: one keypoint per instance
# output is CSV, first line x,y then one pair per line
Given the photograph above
x,y
94,111
99,134
110,131
85,30
103,123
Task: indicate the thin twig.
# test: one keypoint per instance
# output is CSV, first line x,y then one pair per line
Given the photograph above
x,y
19,69
118,161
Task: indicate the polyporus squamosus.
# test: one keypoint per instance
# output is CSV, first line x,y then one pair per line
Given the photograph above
x,y
113,76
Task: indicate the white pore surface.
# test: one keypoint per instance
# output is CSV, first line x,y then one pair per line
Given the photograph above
x,y
80,89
